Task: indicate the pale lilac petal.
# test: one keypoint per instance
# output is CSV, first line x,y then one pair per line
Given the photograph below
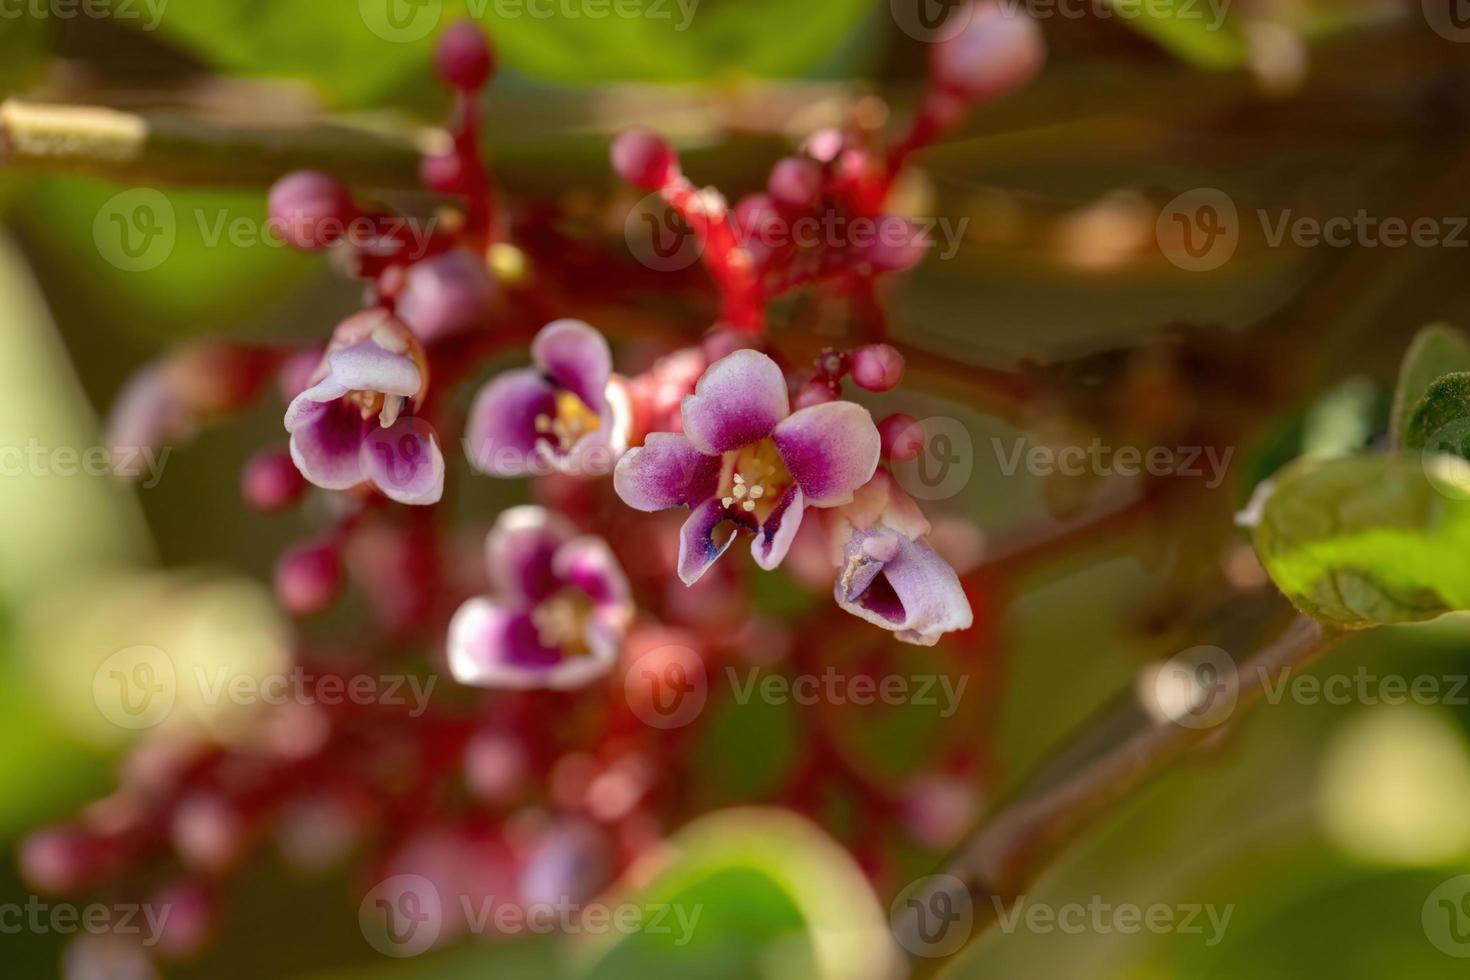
x,y
447,294
592,455
576,357
326,443
501,430
520,552
666,471
368,367
903,586
589,564
494,646
404,462
698,548
774,538
739,400
303,408
831,449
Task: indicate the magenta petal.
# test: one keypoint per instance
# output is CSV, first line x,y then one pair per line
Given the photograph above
x,y
326,443
304,408
404,462
666,471
831,449
914,592
501,431
739,400
492,646
521,549
576,357
774,538
589,564
367,367
698,548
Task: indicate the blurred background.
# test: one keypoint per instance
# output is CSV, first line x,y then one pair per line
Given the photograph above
x,y
1325,827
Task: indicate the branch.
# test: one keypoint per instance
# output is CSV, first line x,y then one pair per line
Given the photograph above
x,y
1097,771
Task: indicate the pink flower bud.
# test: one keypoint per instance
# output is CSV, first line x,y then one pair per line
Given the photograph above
x,y
190,919
937,810
441,173
310,210
877,367
495,767
899,245
58,860
796,183
902,436
814,392
464,58
207,833
271,483
308,578
998,51
642,158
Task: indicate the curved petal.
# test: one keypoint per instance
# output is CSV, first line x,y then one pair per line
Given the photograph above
x,y
698,548
303,408
494,646
666,471
520,552
589,564
404,462
776,534
739,400
500,433
831,449
914,592
592,455
576,357
367,367
326,443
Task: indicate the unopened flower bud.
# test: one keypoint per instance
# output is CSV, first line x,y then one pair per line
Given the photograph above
x,y
310,210
308,578
796,183
877,367
999,50
902,437
189,925
642,158
464,58
271,482
207,833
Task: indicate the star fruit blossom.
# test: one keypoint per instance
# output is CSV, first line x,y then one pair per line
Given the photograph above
x,y
560,609
747,462
565,414
887,573
348,427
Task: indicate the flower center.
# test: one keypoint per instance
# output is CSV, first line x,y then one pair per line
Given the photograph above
x,y
753,480
561,621
573,420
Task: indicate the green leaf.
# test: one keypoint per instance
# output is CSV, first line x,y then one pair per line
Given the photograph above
x,y
1437,350
1200,34
1440,421
761,892
1369,540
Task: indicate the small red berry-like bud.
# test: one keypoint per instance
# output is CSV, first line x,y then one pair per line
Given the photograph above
x,y
271,482
796,183
815,392
58,860
464,58
937,810
441,173
191,919
310,210
999,50
207,833
495,767
902,437
877,367
642,158
308,578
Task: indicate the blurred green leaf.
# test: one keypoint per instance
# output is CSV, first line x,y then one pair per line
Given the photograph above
x,y
1440,421
1437,350
1199,33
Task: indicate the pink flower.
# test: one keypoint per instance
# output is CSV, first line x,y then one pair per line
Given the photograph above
x,y
561,611
348,428
747,462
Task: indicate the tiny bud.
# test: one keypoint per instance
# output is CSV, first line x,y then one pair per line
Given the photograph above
x,y
815,392
824,145
58,860
902,437
998,51
796,183
642,158
308,578
937,810
207,833
464,58
495,767
877,367
447,294
441,173
271,482
310,210
899,245
190,921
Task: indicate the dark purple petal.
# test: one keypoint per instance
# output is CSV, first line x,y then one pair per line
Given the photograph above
x,y
404,462
831,450
497,647
501,431
367,367
774,538
577,358
740,399
903,586
326,442
698,548
520,552
589,564
666,471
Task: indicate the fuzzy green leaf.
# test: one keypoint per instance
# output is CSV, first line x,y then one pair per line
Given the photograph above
x,y
1437,350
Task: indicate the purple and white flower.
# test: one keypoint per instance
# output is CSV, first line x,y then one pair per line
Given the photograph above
x,y
746,462
887,573
565,414
559,614
349,427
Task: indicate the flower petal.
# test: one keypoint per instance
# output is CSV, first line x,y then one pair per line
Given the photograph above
x,y
739,399
326,443
666,471
697,547
367,367
776,534
521,549
303,410
903,586
501,431
589,564
576,357
494,646
831,449
404,462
